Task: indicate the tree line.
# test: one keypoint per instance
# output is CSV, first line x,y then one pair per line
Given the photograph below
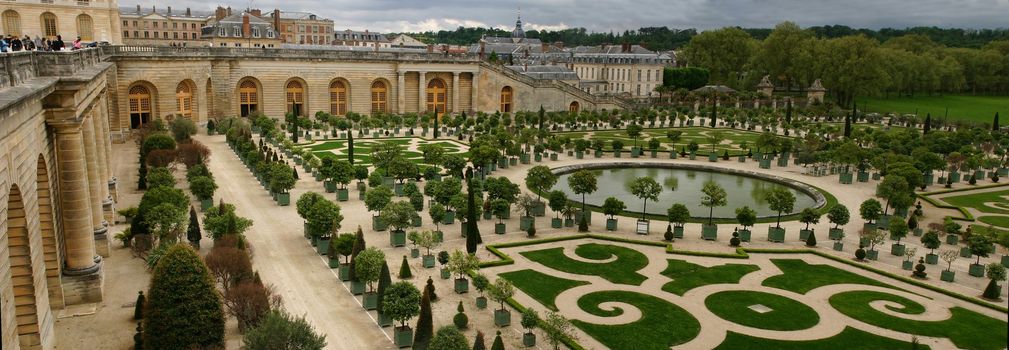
x,y
664,38
849,66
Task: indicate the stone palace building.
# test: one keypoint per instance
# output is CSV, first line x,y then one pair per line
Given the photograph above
x,y
62,110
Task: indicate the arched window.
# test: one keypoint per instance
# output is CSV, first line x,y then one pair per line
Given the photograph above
x,y
84,28
573,107
12,23
184,99
295,98
436,97
506,99
49,25
337,98
248,97
379,97
140,106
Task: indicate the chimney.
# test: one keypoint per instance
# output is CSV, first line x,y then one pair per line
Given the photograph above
x,y
154,9
483,46
189,13
246,27
276,20
257,12
220,13
138,9
169,10
229,10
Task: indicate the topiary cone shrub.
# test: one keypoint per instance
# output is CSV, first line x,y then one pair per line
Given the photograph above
x,y
531,232
184,308
460,319
811,240
668,236
404,270
734,241
860,253
138,309
919,270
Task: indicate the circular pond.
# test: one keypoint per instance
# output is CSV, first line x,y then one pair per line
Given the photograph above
x,y
682,184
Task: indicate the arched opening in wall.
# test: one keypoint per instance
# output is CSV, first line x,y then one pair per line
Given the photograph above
x,y
85,28
22,278
436,97
248,97
51,244
184,99
140,106
337,98
379,97
48,21
12,23
210,100
506,99
295,98
574,107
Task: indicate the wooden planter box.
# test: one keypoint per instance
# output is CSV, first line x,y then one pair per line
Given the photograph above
x,y
445,274
377,224
403,336
397,238
461,285
976,270
526,222
872,254
428,261
356,287
556,223
369,301
897,249
677,232
845,178
907,265
499,228
744,235
947,276
965,252
709,232
529,339
838,246
775,234
611,224
835,234
804,234
342,195
502,318
343,272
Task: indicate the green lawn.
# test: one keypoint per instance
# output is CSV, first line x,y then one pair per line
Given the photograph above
x,y
978,200
966,329
337,149
801,277
687,276
661,324
541,287
734,139
848,339
785,315
1000,221
980,109
623,270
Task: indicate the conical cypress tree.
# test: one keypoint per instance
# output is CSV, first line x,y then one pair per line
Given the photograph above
x,y
478,344
404,270
184,308
384,280
138,309
811,240
193,234
436,126
847,125
542,115
498,342
714,110
928,123
142,176
425,327
429,289
994,123
788,112
350,146
358,247
295,170
472,230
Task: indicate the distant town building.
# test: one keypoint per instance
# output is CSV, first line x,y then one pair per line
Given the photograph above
x,y
243,29
406,41
301,27
154,26
355,38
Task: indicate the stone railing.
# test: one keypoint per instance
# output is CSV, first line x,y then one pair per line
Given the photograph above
x,y
20,67
560,85
164,52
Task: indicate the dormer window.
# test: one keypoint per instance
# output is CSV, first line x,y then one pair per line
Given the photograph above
x,y
222,32
255,32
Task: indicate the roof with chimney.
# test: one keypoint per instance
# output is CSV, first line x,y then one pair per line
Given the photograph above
x,y
231,27
539,71
163,12
354,35
404,40
298,16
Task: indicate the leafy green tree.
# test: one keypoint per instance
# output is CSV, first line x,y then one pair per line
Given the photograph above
x,y
165,221
809,216
540,179
221,220
501,188
557,200
160,176
996,273
402,302
647,189
398,214
678,214
193,233
746,216
583,182
378,198
557,328
784,53
281,178
838,215
500,291
280,330
714,196
183,308
930,240
634,131
324,218
203,187
449,338
724,52
870,210
368,266
613,206
780,200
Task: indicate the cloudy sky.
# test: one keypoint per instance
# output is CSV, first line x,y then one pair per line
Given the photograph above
x,y
606,15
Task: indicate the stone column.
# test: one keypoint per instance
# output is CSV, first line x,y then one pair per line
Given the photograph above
x,y
455,93
421,87
474,98
400,92
82,280
94,184
101,140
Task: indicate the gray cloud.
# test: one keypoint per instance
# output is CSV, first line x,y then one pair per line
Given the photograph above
x,y
603,15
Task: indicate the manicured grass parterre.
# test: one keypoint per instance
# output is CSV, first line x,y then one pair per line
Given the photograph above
x,y
980,109
1000,221
801,277
733,139
785,314
337,149
981,201
623,270
687,276
661,324
966,329
540,286
848,339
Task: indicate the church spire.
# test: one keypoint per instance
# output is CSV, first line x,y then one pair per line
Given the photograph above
x,y
518,33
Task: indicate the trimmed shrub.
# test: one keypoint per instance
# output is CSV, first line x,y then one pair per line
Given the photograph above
x,y
280,330
184,309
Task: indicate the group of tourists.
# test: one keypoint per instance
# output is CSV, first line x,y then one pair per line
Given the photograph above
x,y
12,43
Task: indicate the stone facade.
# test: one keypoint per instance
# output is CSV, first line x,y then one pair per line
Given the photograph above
x,y
92,20
55,178
162,26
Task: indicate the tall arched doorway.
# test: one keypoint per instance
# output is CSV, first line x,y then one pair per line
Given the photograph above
x,y
22,277
295,98
140,106
184,99
337,98
379,97
248,97
574,107
436,97
506,99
